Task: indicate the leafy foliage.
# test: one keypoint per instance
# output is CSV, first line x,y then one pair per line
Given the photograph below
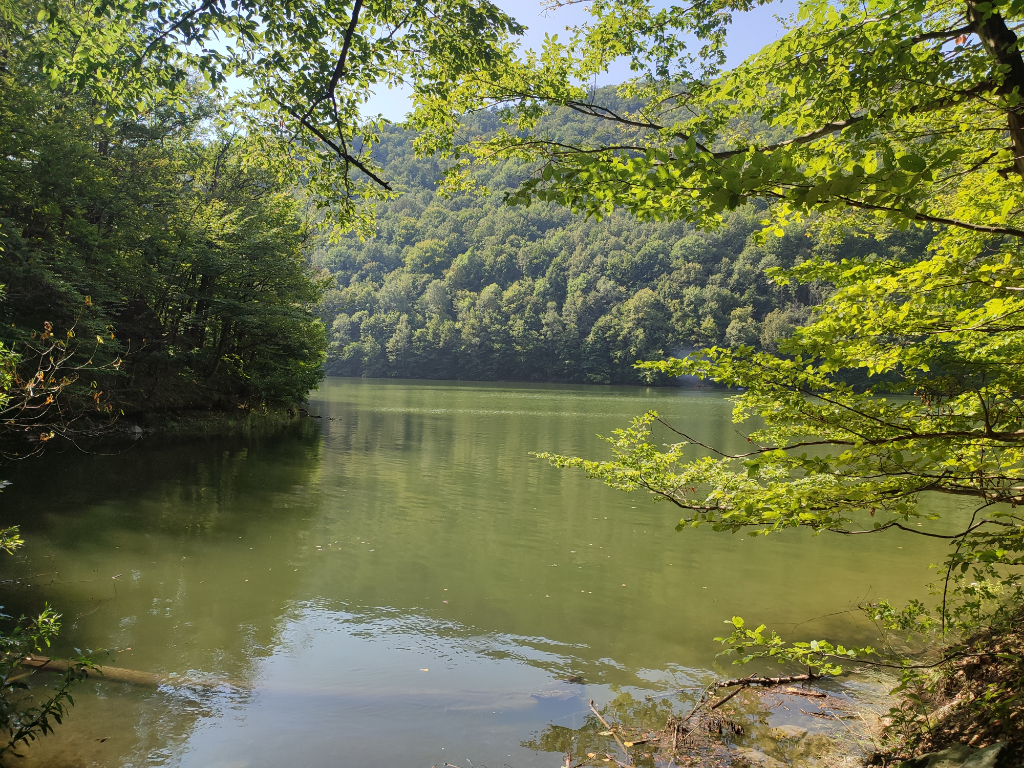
x,y
818,656
151,241
20,718
850,109
303,72
895,114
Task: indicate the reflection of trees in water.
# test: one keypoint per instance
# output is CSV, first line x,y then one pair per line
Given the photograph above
x,y
158,723
656,732
184,469
638,724
122,535
164,504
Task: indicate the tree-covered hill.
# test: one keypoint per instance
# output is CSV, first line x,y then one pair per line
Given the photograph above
x,y
466,287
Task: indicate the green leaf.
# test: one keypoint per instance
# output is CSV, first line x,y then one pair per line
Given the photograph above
x,y
912,163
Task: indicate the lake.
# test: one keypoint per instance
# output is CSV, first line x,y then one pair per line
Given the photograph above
x,y
399,583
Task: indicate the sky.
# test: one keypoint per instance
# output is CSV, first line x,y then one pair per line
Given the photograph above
x,y
750,32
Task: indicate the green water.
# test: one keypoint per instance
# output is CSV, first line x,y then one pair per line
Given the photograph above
x,y
399,583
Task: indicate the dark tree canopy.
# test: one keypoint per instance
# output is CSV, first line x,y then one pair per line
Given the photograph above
x,y
151,241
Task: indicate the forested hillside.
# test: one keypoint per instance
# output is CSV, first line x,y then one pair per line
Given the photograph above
x,y
144,266
467,287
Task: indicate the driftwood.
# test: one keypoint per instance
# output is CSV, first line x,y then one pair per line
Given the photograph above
x,y
117,674
804,692
766,681
613,732
746,682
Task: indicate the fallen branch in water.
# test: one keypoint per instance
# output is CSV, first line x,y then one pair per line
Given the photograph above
x,y
689,735
804,692
114,674
117,674
747,682
724,699
612,730
767,681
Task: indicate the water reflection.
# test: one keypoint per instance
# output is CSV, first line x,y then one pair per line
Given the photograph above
x,y
324,568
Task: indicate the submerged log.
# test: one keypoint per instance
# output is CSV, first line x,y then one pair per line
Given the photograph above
x,y
119,675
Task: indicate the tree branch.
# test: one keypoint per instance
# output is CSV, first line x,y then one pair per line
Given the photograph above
x,y
339,69
1001,45
338,150
917,216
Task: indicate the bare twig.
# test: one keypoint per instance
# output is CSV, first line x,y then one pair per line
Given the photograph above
x,y
726,698
609,728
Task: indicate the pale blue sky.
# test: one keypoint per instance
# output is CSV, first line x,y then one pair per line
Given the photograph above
x,y
750,32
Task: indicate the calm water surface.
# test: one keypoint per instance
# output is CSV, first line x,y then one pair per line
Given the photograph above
x,y
399,583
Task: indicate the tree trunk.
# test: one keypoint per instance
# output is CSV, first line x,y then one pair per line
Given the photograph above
x,y
1001,44
225,334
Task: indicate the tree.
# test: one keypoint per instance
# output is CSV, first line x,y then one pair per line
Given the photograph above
x,y
308,68
153,237
862,117
400,343
853,101
742,328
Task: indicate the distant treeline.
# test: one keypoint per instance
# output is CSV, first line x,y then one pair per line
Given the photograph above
x,y
172,275
468,288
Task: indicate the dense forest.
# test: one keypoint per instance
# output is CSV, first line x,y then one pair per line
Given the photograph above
x,y
171,273
463,286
